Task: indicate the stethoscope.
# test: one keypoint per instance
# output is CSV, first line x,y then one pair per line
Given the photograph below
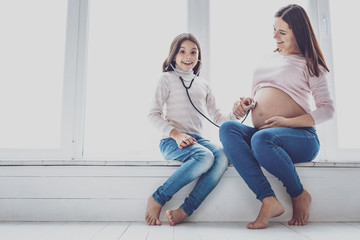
x,y
187,93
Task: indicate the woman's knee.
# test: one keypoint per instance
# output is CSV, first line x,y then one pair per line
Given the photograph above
x,y
261,136
230,130
264,139
226,128
265,144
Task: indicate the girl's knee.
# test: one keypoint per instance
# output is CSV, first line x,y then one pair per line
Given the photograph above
x,y
205,158
222,160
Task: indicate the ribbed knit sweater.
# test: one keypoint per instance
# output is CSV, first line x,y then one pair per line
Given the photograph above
x,y
170,107
291,75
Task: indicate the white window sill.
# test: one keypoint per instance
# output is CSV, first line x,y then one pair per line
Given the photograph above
x,y
146,163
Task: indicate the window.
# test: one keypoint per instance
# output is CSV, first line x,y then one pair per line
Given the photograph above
x,y
32,73
342,142
345,71
127,46
78,76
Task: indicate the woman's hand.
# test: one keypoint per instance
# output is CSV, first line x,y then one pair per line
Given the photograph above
x,y
182,139
241,107
276,121
305,120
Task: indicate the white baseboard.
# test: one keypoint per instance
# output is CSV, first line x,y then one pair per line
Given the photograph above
x,y
119,193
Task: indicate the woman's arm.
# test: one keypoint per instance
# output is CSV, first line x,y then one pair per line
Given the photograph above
x,y
325,108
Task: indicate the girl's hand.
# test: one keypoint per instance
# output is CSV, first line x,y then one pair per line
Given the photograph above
x,y
276,121
182,139
241,107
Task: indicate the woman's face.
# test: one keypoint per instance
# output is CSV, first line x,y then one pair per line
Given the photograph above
x,y
187,57
285,38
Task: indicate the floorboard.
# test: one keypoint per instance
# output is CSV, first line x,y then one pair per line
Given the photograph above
x,y
187,230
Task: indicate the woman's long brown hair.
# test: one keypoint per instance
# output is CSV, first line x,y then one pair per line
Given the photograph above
x,y
297,19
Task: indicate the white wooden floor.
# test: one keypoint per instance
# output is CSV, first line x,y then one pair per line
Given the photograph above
x,y
188,231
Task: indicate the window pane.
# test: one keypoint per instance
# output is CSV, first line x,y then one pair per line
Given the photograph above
x,y
32,62
346,49
128,42
240,33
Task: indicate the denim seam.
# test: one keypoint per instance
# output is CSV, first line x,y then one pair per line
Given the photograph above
x,y
172,180
281,155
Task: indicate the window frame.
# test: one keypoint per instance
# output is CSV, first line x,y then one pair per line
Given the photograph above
x,y
65,151
198,15
331,152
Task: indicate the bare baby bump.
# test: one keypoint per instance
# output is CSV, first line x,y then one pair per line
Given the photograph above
x,y
273,102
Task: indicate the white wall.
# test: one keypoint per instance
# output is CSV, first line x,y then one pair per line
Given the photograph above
x,y
119,193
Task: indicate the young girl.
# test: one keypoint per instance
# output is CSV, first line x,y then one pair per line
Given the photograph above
x,y
181,129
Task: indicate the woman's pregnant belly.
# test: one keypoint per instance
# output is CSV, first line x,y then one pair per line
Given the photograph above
x,y
272,102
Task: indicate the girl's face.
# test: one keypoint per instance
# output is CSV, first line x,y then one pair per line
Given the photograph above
x,y
187,57
285,38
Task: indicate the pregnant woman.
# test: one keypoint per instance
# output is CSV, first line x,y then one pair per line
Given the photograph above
x,y
284,121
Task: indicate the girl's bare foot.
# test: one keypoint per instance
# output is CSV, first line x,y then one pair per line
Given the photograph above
x,y
175,216
301,205
271,207
153,212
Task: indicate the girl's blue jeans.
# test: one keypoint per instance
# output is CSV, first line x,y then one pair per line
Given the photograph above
x,y
274,149
203,160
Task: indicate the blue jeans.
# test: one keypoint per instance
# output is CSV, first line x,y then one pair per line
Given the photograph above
x,y
203,159
274,149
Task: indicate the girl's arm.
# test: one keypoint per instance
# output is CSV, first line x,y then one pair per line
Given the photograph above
x,y
155,114
241,107
182,139
216,115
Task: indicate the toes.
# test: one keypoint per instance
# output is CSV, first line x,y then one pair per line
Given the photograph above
x,y
297,222
253,225
148,220
170,218
250,226
152,222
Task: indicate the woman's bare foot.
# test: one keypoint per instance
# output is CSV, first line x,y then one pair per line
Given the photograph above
x,y
271,207
301,205
153,212
175,216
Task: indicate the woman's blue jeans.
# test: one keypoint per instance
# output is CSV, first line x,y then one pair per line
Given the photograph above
x,y
274,149
203,160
